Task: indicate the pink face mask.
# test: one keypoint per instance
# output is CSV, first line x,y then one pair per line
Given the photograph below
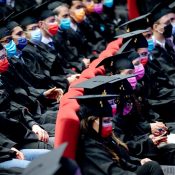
x,y
98,8
106,129
133,82
127,109
139,71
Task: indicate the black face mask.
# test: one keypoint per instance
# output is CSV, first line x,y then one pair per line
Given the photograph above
x,y
168,31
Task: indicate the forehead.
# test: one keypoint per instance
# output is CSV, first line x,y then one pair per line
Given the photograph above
x,y
76,4
31,25
50,18
63,9
16,30
141,50
166,18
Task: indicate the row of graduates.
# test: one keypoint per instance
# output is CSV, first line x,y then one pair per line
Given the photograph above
x,y
40,57
142,116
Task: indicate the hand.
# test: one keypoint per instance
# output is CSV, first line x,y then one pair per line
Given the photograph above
x,y
54,93
86,62
157,139
145,160
72,78
156,126
41,133
19,154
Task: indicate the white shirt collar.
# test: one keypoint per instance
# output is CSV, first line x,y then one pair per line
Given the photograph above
x,y
73,26
46,40
162,44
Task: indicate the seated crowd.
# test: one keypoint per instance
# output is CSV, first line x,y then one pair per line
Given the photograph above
x,y
81,72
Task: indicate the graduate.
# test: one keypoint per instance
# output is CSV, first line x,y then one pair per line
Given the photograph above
x,y
97,138
143,138
32,103
161,66
75,58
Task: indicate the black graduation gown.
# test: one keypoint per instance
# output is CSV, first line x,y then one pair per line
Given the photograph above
x,y
95,159
161,70
100,27
40,61
94,38
70,54
132,131
22,101
5,146
78,40
16,131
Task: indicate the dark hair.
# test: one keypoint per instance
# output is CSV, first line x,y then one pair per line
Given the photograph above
x,y
86,127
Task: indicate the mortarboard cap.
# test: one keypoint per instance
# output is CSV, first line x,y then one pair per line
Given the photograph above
x,y
25,17
117,62
4,32
137,40
139,23
11,25
133,55
47,164
103,84
159,11
54,5
42,12
97,105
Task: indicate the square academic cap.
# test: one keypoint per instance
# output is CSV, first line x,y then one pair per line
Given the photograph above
x,y
42,11
117,62
55,4
137,40
47,164
103,85
25,17
97,105
139,23
159,11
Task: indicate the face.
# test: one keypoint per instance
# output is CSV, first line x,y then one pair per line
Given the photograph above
x,y
105,120
77,11
17,33
163,22
45,24
89,5
127,71
143,52
30,28
63,12
172,18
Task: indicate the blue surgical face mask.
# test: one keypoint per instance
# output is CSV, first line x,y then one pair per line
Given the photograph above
x,y
36,36
65,23
150,45
22,42
11,48
108,3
